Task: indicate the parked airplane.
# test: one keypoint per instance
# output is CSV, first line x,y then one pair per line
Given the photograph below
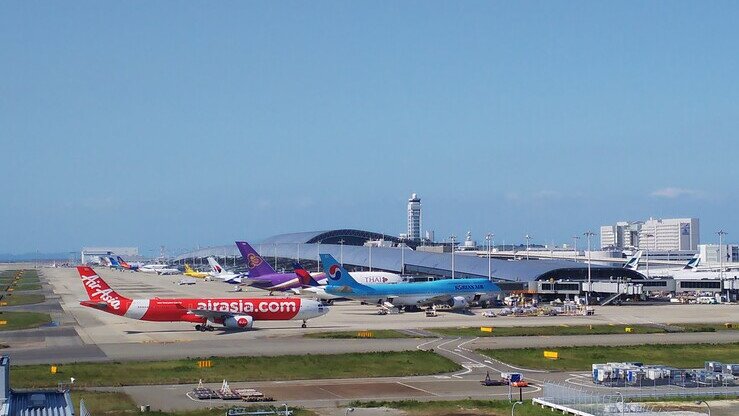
x,y
318,281
128,266
457,293
219,272
236,313
263,276
158,269
632,263
193,273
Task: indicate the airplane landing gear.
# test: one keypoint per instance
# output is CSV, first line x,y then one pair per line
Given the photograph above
x,y
305,325
203,328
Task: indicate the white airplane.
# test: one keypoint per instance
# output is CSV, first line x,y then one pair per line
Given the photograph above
x,y
318,291
218,272
158,268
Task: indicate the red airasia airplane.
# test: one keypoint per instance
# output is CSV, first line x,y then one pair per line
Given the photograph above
x,y
233,313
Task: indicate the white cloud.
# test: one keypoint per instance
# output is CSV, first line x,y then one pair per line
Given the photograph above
x,y
673,192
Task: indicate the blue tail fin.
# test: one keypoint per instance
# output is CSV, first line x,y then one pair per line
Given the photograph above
x,y
337,275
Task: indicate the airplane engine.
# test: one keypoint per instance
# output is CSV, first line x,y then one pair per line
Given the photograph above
x,y
458,302
239,322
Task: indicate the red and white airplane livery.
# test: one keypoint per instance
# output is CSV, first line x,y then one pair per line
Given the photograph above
x,y
234,313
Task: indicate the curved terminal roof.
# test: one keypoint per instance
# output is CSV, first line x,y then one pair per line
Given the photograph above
x,y
306,246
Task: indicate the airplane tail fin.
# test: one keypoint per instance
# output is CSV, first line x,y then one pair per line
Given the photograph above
x,y
336,274
305,278
217,269
98,290
188,269
114,262
123,263
256,264
633,262
693,263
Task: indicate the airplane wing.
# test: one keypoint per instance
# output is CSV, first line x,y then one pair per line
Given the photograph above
x,y
435,300
212,315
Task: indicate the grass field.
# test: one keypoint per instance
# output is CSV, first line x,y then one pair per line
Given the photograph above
x,y
121,404
15,299
376,334
457,407
23,320
582,358
516,331
290,367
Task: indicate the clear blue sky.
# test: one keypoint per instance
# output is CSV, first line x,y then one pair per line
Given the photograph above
x,y
197,123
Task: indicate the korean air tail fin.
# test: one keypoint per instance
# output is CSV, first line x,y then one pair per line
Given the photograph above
x,y
693,263
305,278
256,264
633,262
336,274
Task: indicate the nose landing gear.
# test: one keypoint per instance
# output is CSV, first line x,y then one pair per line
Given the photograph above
x,y
204,327
305,324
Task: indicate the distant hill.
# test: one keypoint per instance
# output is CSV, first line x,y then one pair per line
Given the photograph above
x,y
7,257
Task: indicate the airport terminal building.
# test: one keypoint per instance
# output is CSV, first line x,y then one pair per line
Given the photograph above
x,y
546,279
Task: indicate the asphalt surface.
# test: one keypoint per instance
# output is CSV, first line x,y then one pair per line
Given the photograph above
x,y
83,334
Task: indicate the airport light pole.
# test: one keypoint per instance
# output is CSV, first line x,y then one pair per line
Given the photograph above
x,y
646,251
706,403
341,252
588,234
453,239
285,404
318,256
721,234
370,257
402,257
528,239
488,238
574,239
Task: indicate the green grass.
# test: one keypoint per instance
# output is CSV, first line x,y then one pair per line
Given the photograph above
x,y
121,404
457,407
733,326
290,367
582,358
27,286
15,299
23,320
517,331
376,334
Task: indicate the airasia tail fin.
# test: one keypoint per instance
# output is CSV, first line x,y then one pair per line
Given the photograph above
x,y
100,294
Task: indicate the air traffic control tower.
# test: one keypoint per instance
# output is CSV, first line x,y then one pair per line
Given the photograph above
x,y
414,218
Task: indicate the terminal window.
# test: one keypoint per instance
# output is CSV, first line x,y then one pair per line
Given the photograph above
x,y
700,285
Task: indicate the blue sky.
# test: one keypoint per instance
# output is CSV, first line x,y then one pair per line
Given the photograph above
x,y
197,123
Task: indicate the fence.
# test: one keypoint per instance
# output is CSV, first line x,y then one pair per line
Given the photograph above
x,y
584,402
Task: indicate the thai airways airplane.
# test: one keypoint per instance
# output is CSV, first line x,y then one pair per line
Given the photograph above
x,y
457,293
263,276
234,313
318,281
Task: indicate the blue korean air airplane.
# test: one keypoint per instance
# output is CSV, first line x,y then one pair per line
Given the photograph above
x,y
457,293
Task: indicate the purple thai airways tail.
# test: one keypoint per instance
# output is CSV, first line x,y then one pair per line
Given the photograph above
x,y
256,264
